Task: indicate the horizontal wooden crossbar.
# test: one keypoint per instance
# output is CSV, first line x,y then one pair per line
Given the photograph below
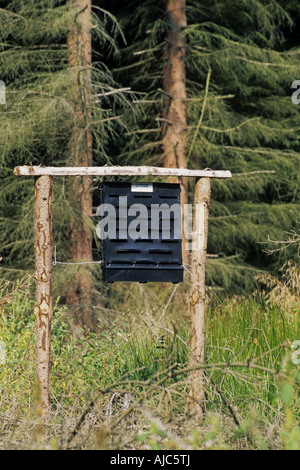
x,y
118,171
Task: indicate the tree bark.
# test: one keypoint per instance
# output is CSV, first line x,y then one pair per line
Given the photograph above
x,y
80,154
197,295
174,84
43,276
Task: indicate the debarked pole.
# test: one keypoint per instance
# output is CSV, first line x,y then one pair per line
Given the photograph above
x,y
43,277
197,295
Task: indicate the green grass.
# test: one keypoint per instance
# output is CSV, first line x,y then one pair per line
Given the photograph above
x,y
252,384
251,330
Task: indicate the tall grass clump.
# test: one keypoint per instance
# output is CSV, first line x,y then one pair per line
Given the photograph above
x,y
126,387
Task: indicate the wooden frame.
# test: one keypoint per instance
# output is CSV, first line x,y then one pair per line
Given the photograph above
x,y
43,264
118,171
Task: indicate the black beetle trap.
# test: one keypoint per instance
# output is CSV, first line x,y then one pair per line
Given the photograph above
x,y
140,232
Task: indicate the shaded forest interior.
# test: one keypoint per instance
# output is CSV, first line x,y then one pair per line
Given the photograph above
x,y
240,61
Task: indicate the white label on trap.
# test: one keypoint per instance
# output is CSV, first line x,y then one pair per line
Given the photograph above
x,y
142,188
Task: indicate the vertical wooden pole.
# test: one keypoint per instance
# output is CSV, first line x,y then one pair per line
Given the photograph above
x,y
43,276
197,294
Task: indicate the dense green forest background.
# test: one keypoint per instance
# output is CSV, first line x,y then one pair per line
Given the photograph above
x,y
91,85
241,60
244,54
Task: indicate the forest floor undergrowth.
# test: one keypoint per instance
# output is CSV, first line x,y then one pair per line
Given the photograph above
x,y
127,387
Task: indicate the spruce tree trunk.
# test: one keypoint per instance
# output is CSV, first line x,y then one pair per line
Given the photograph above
x,y
80,154
174,83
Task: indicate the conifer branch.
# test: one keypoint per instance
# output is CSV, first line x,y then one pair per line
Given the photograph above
x,y
201,115
231,129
